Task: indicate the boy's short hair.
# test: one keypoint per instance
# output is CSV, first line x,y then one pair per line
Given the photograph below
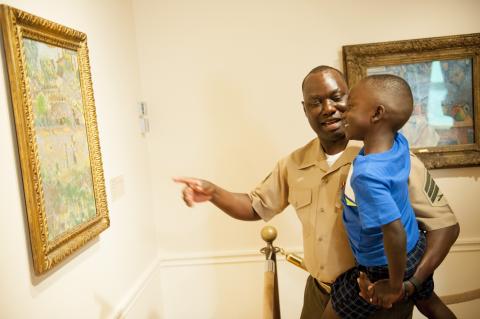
x,y
394,94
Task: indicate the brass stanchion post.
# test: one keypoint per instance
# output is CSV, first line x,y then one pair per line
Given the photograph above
x,y
271,304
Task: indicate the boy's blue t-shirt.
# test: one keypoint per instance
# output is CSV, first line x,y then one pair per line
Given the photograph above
x,y
380,183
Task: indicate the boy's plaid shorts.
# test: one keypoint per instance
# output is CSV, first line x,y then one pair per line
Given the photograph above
x,y
345,298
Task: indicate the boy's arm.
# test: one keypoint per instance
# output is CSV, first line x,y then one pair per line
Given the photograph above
x,y
385,292
394,241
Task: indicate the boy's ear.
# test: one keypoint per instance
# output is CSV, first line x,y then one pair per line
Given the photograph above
x,y
378,114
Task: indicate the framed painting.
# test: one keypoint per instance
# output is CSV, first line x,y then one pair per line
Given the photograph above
x,y
57,135
444,75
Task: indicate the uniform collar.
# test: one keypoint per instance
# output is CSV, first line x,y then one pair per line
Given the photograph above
x,y
314,155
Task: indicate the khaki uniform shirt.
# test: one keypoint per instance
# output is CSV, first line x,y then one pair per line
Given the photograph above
x,y
304,180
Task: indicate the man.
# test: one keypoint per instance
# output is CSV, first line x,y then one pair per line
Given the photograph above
x,y
312,179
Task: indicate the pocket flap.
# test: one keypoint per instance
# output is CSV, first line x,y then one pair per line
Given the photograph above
x,y
300,198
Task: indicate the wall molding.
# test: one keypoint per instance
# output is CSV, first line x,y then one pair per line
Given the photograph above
x,y
219,257
245,256
466,244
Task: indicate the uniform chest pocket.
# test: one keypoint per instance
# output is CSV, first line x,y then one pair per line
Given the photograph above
x,y
300,198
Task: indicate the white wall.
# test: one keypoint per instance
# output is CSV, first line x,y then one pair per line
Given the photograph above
x,y
222,79
100,279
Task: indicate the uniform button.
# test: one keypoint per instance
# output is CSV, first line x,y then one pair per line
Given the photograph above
x,y
321,267
320,238
322,210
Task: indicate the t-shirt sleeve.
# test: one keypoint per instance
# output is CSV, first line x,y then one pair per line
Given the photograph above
x,y
270,197
375,203
428,202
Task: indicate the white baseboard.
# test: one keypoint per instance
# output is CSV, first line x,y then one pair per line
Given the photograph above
x,y
227,257
138,287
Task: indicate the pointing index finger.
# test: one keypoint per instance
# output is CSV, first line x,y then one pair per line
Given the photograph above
x,y
192,182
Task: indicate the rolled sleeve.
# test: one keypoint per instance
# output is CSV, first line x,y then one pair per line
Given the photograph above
x,y
430,205
270,197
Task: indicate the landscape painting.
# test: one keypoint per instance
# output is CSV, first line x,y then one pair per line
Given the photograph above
x,y
59,123
57,135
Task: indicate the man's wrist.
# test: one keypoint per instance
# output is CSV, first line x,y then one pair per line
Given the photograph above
x,y
417,284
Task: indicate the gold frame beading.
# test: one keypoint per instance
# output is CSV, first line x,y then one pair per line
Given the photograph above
x,y
17,25
358,58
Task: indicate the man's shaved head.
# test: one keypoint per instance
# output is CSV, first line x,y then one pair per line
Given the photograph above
x,y
321,68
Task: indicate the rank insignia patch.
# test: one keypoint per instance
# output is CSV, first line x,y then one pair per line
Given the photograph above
x,y
434,194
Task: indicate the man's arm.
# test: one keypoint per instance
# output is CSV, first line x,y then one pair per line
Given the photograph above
x,y
433,215
439,242
236,205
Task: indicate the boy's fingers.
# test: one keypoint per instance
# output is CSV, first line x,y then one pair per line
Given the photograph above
x,y
370,290
362,284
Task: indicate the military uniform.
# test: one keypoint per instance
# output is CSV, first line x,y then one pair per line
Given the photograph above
x,y
304,180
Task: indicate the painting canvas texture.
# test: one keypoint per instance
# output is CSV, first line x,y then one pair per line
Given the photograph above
x,y
59,122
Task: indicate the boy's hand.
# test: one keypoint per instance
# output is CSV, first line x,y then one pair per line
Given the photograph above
x,y
195,190
383,294
365,286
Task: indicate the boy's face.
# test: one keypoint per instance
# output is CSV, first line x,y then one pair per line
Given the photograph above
x,y
359,112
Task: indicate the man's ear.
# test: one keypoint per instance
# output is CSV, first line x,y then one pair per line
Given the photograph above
x,y
304,110
378,114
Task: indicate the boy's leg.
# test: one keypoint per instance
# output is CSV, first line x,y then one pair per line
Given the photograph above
x,y
315,300
433,307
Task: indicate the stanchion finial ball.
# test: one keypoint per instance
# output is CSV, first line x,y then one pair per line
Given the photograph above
x,y
269,233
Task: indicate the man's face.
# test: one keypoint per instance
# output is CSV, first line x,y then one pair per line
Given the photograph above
x,y
359,112
325,97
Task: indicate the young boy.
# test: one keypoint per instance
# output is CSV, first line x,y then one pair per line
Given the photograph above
x,y
380,221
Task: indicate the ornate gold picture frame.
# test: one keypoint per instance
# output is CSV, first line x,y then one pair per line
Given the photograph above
x,y
444,74
57,135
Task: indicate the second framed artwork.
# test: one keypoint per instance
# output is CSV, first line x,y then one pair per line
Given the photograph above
x,y
444,75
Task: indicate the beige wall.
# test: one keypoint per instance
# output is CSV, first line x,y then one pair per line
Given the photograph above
x,y
222,82
222,79
102,278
